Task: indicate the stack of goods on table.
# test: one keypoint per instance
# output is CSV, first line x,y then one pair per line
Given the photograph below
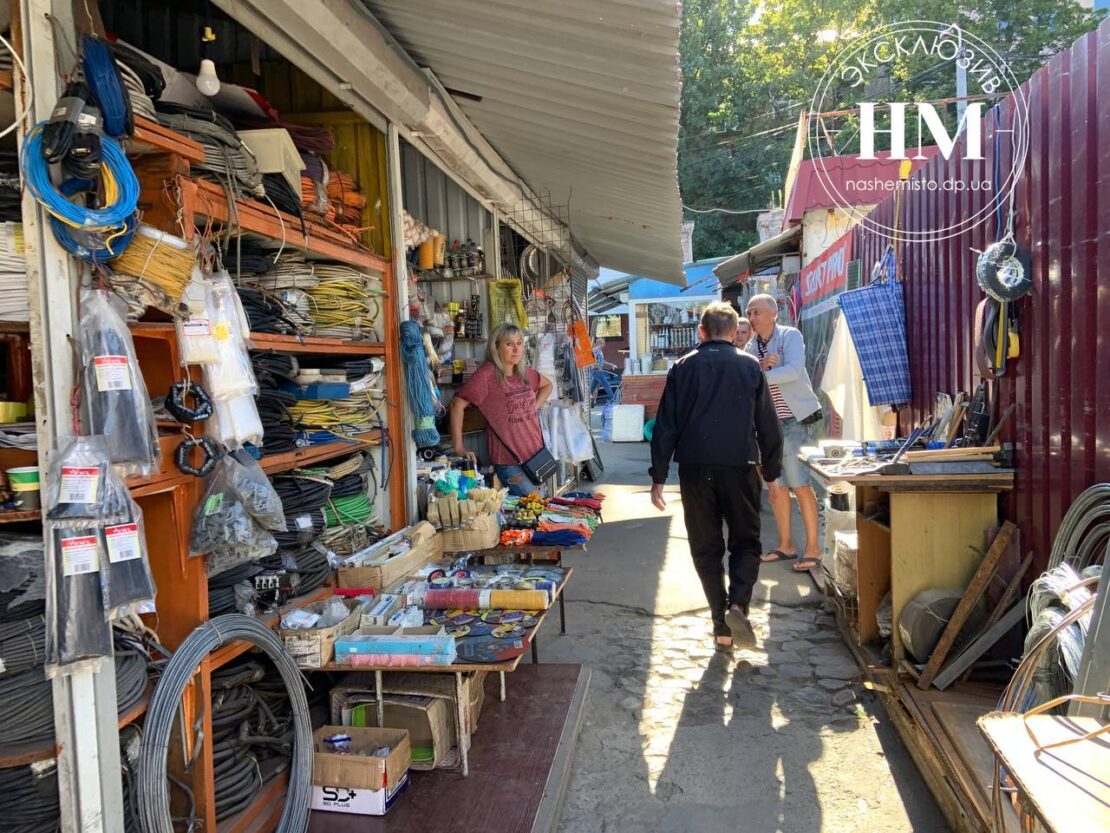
x,y
454,613
455,498
559,523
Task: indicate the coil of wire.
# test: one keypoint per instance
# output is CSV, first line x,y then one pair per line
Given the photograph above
x,y
154,811
29,798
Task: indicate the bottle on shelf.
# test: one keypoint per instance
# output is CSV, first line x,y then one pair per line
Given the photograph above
x,y
471,256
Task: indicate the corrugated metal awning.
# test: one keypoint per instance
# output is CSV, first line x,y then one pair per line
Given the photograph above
x,y
758,256
581,97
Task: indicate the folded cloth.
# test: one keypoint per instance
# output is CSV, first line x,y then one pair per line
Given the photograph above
x,y
558,539
588,503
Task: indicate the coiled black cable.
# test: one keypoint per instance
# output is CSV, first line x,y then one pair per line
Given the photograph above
x,y
312,567
265,312
26,708
131,679
29,799
22,645
272,369
281,194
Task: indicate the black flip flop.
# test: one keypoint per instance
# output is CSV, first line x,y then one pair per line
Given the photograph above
x,y
779,556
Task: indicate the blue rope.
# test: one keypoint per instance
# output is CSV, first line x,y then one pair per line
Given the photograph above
x,y
36,172
416,379
103,79
91,246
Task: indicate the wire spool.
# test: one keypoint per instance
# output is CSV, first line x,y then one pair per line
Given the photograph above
x,y
103,78
1003,271
1084,532
153,805
160,259
29,798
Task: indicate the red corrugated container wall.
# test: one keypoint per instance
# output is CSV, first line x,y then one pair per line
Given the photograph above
x,y
1061,382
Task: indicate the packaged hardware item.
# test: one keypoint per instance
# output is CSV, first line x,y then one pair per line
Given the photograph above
x,y
223,527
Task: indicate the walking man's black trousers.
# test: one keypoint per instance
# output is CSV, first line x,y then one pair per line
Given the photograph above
x,y
713,496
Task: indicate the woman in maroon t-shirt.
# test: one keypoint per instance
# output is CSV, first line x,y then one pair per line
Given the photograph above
x,y
509,395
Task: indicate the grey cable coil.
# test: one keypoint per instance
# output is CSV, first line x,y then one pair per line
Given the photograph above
x,y
1084,531
154,808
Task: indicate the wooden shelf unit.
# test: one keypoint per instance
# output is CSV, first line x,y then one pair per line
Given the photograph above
x,y
169,498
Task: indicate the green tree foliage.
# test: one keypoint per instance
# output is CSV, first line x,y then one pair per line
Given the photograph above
x,y
750,68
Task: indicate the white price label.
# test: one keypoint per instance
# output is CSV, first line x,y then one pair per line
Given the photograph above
x,y
80,555
123,542
112,373
79,484
304,523
197,327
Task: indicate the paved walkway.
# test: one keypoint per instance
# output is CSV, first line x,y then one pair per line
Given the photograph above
x,y
678,737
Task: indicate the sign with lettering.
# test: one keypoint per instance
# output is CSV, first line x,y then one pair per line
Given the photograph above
x,y
825,278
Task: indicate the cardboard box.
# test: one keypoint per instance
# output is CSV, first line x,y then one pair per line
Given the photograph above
x,y
377,614
359,802
316,647
483,533
361,784
426,547
426,719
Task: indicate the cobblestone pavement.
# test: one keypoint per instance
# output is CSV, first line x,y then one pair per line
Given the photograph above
x,y
680,737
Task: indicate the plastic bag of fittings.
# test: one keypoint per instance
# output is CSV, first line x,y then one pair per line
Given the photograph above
x,y
125,579
246,598
255,490
231,376
116,398
22,577
236,422
82,485
224,530
77,631
194,333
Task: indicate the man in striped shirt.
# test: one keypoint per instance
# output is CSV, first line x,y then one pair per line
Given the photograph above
x,y
782,355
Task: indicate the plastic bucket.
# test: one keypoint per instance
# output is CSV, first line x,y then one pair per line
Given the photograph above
x,y
24,482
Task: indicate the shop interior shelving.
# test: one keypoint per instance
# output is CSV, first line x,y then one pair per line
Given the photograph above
x,y
168,497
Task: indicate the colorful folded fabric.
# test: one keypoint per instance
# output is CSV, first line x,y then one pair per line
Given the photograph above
x,y
558,539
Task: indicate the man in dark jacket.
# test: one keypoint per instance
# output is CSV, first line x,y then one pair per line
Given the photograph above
x,y
718,422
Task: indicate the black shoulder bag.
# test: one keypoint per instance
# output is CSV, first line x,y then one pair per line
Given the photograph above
x,y
539,467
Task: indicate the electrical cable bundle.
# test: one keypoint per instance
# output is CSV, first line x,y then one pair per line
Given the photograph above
x,y
136,93
22,645
26,708
347,540
149,74
221,587
242,258
22,577
342,417
154,810
103,77
292,271
29,798
302,499
131,678
160,259
312,568
272,369
14,301
345,306
11,197
352,509
266,313
281,194
227,159
251,734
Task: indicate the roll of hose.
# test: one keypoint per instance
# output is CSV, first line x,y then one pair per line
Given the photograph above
x,y
353,509
121,186
104,80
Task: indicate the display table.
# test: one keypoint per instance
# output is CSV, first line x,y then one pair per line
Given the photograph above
x,y
460,670
1064,788
934,537
530,555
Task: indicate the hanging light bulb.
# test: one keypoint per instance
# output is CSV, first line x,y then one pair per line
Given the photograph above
x,y
207,81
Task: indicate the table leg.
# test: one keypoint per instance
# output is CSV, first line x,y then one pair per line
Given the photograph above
x,y
563,612
464,730
535,648
381,700
502,673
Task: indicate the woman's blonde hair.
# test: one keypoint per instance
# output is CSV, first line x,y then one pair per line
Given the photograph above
x,y
493,352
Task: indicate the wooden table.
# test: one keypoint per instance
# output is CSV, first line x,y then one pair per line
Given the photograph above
x,y
935,536
1066,788
459,669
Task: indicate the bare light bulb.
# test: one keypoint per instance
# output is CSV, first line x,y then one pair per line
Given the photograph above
x,y
207,82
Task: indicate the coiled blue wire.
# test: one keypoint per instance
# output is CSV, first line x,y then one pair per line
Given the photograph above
x,y
91,246
36,172
416,380
103,79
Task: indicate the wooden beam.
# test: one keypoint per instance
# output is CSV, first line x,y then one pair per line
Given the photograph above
x,y
1007,597
975,650
967,603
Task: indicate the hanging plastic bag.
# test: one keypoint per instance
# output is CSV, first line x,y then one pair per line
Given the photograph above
x,y
224,530
231,376
76,629
256,491
575,441
236,422
115,394
194,333
580,338
82,485
125,579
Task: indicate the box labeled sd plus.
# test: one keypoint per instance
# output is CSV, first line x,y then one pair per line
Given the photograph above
x,y
360,782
